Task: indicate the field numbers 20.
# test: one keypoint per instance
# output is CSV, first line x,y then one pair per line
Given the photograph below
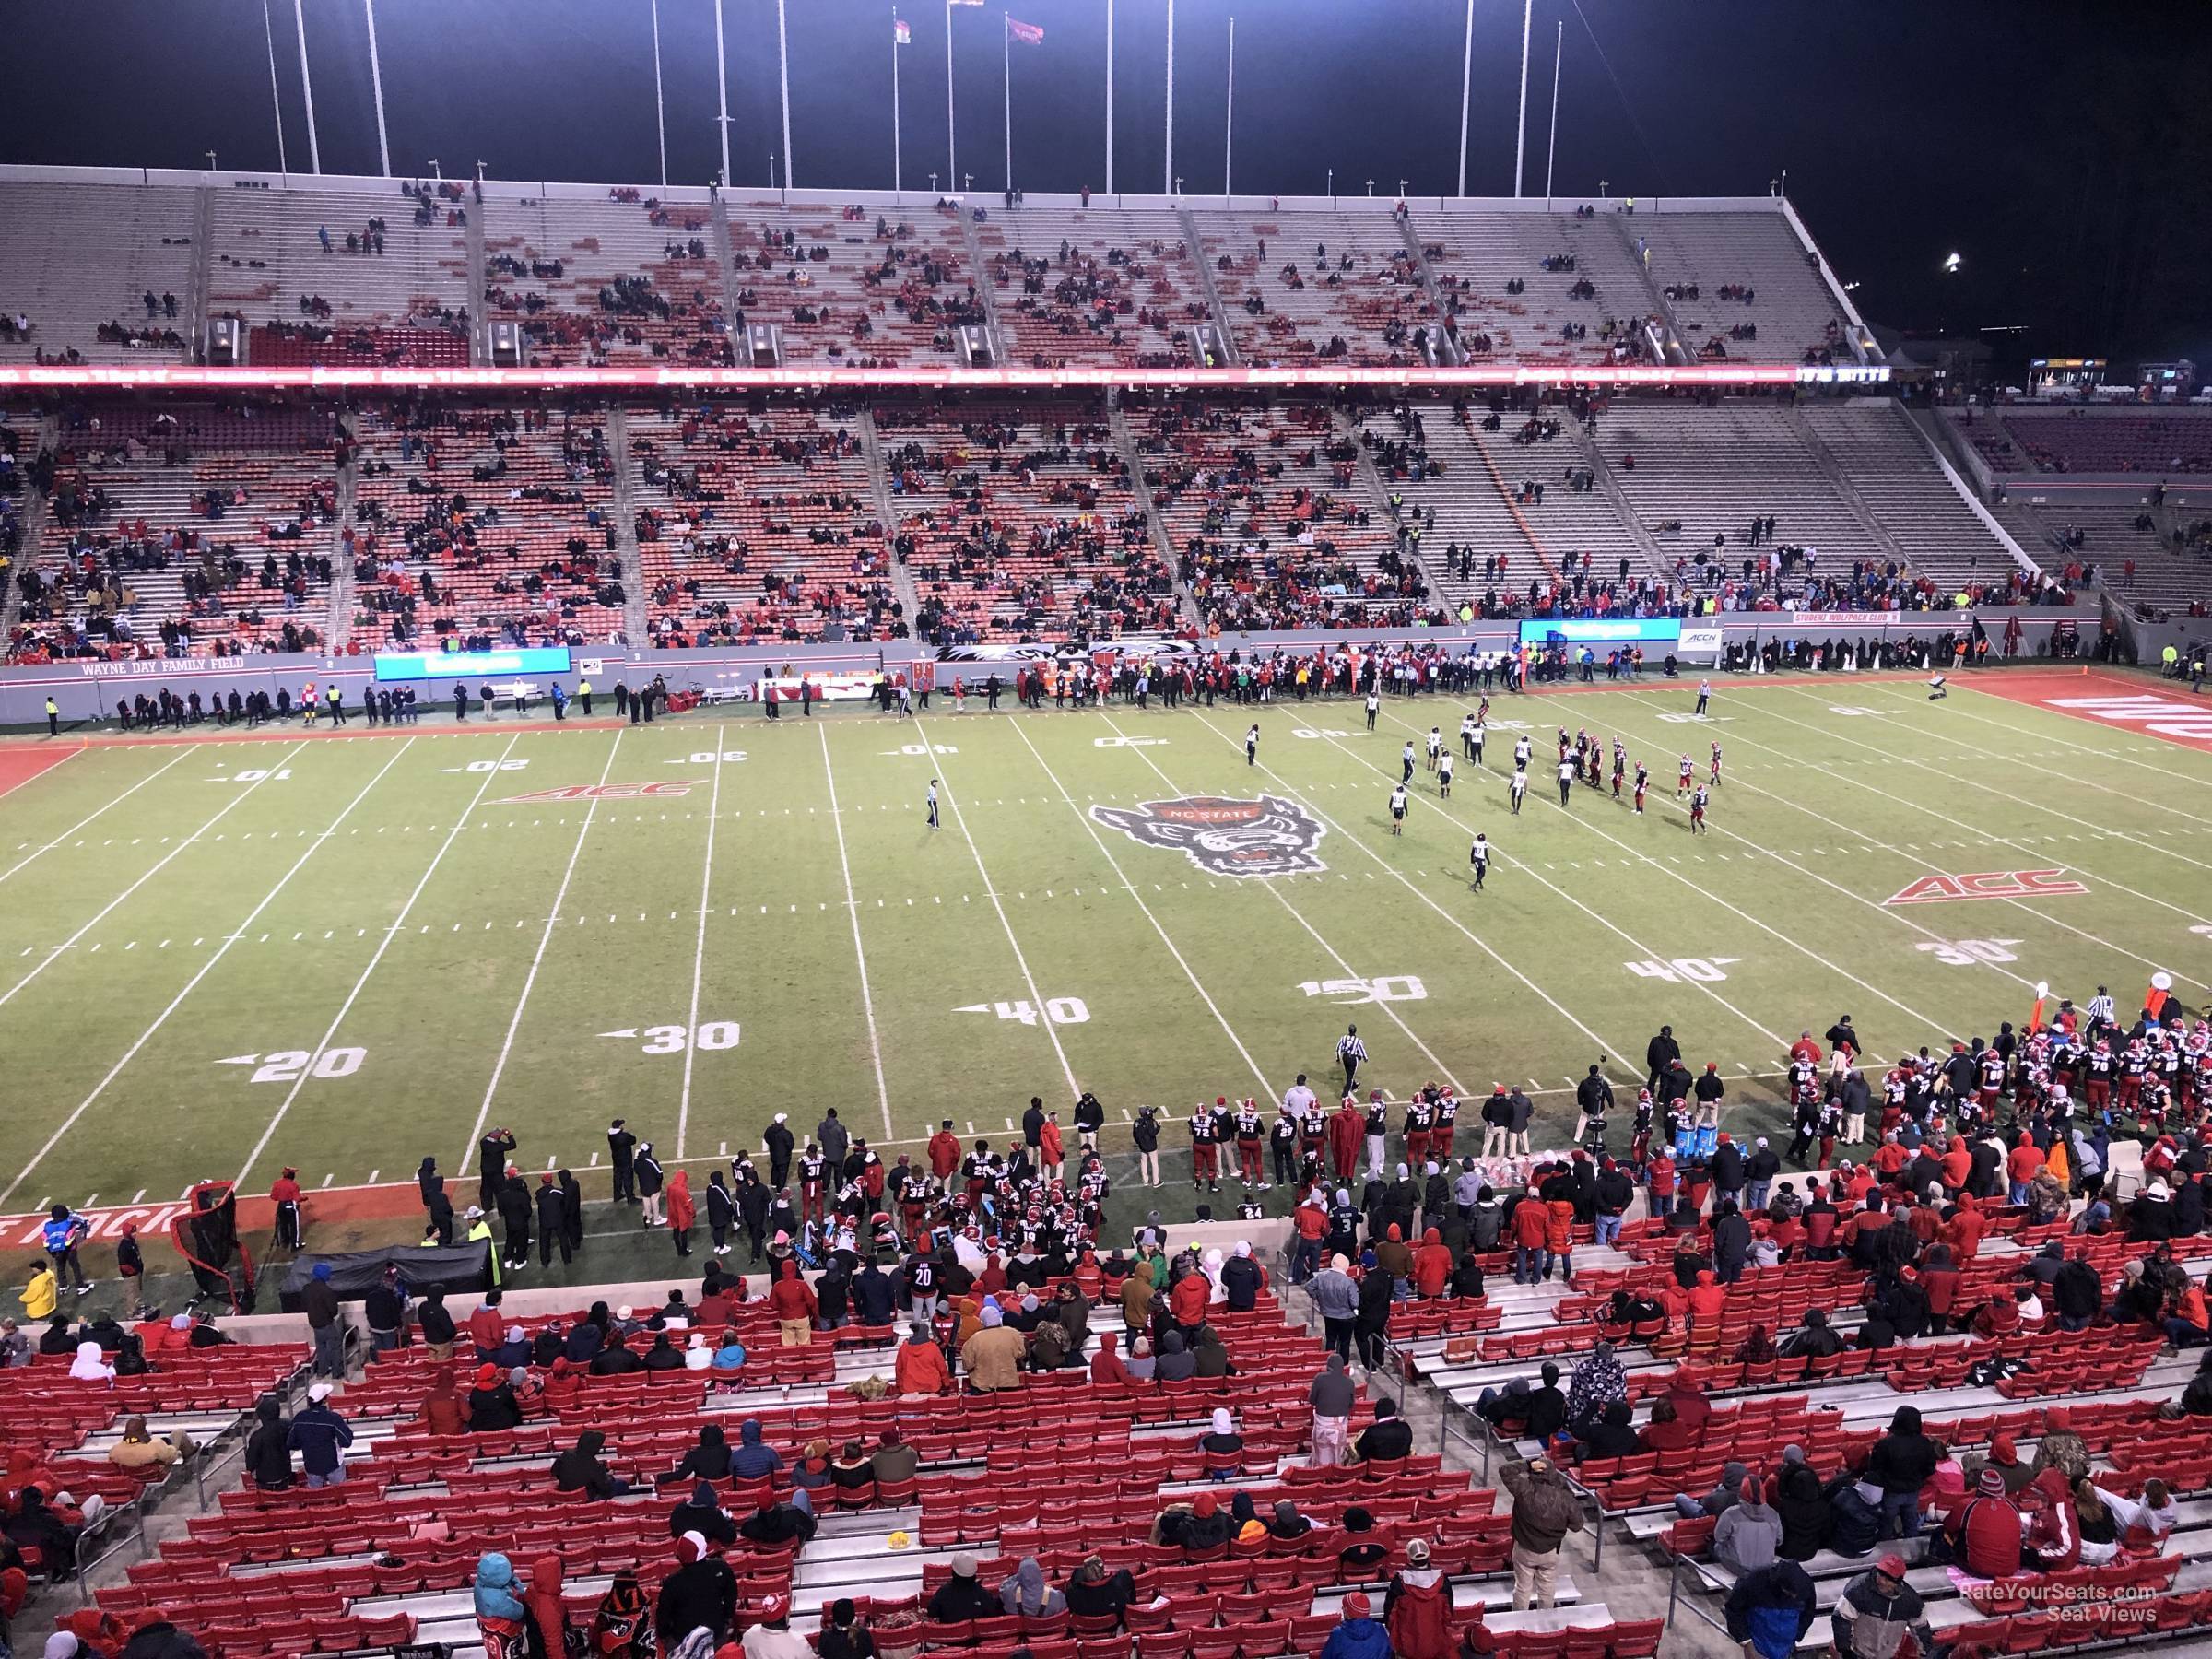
x,y
1965,953
288,1065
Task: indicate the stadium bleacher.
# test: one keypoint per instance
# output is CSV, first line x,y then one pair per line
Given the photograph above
x,y
190,526
1746,270
1094,284
80,259
487,525
1583,297
620,279
753,524
871,289
1021,524
340,278
1301,286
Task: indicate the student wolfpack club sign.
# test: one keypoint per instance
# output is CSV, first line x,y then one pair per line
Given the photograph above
x,y
598,791
1223,837
1988,883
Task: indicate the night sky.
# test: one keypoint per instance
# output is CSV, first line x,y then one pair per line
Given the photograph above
x,y
2064,151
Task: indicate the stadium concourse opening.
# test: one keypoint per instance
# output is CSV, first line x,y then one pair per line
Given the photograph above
x,y
850,888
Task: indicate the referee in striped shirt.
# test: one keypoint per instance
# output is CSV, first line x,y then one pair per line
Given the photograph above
x,y
2101,1008
1352,1053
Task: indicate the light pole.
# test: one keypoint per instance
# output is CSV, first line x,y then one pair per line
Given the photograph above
x,y
1370,187
435,174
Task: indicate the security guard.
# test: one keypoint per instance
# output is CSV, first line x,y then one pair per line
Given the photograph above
x,y
54,718
584,694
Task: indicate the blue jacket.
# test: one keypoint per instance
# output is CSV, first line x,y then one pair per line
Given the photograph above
x,y
496,1587
318,1435
1772,1609
1358,1639
753,1460
56,1233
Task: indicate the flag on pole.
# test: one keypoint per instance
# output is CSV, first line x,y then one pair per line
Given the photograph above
x,y
901,33
1029,34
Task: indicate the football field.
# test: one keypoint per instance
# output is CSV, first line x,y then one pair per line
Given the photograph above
x,y
345,951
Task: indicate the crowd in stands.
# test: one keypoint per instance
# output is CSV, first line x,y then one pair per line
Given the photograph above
x,y
759,525
1039,536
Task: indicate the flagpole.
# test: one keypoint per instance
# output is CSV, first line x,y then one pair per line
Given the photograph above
x,y
1467,89
1520,129
952,142
721,84
1109,96
268,33
1558,47
783,89
306,87
894,99
1005,89
660,112
376,82
1168,186
1229,119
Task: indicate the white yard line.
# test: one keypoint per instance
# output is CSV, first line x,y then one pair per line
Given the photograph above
x,y
1897,915
991,890
699,951
1197,983
1605,922
1275,892
62,839
44,770
1954,712
860,955
48,961
220,951
1965,777
284,1107
1804,950
498,1067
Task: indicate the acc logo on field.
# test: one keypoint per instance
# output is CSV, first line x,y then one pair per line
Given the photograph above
x,y
1267,836
1988,884
597,791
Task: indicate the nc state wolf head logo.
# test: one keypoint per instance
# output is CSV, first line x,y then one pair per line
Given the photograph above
x,y
1267,836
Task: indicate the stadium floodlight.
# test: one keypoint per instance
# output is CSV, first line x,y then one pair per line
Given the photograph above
x,y
1951,263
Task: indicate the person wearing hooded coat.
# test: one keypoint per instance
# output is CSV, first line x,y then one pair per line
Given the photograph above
x,y
753,1459
1026,1595
920,1368
1901,1463
437,1208
514,1207
1243,1279
502,1618
492,1408
549,1614
582,1469
709,1459
702,1593
441,1412
1417,1607
702,1515
1804,1511
1374,1318
435,1320
268,1457
1175,1363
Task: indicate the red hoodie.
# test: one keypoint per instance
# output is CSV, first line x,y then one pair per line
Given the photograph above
x,y
1432,1264
791,1297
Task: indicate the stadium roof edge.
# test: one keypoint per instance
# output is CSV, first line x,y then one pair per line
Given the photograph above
x,y
748,195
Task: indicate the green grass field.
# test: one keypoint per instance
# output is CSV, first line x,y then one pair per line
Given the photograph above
x,y
344,953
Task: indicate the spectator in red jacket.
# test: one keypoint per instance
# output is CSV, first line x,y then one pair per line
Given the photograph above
x,y
2023,1166
1708,1300
791,1299
1667,1431
1531,1221
1186,1301
1968,1225
1985,1535
1939,1284
1432,1264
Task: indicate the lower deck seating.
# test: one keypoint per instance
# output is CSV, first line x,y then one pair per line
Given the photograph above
x,y
1266,512
488,527
754,526
191,531
1022,524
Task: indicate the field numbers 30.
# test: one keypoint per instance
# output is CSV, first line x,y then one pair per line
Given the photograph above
x,y
1965,953
711,1036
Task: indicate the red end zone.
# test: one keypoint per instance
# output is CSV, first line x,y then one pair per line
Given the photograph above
x,y
20,764
2112,701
